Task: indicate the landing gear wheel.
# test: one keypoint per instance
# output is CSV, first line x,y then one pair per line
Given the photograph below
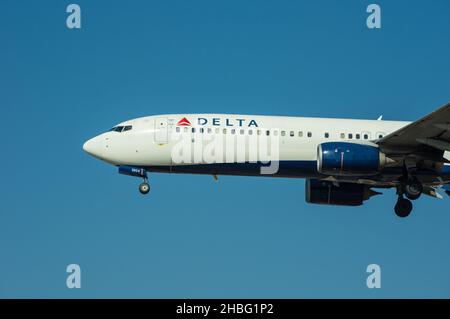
x,y
413,189
144,188
403,207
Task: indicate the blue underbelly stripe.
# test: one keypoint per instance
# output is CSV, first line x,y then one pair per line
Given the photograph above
x,y
301,169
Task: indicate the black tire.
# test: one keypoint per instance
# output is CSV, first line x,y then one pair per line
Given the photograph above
x,y
414,189
412,197
144,188
403,207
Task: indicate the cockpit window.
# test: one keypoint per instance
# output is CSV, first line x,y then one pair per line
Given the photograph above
x,y
121,128
117,129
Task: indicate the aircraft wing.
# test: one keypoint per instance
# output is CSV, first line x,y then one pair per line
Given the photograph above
x,y
432,131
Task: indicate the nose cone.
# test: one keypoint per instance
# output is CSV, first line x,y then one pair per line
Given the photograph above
x,y
93,147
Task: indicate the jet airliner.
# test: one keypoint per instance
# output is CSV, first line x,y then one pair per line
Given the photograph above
x,y
344,161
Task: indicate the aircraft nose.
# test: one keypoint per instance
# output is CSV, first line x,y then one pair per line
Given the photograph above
x,y
93,147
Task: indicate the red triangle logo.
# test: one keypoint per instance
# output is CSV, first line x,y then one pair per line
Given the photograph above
x,y
184,122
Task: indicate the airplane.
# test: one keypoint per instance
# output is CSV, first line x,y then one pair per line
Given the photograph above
x,y
344,161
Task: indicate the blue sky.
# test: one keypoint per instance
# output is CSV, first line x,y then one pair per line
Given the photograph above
x,y
192,236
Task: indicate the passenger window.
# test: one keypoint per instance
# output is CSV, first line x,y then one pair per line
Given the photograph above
x,y
283,133
178,129
358,136
217,130
309,134
241,132
185,130
291,134
366,137
224,131
250,132
233,131
201,130
267,132
300,134
350,136
342,135
258,132
193,130
327,135
380,136
209,130
275,133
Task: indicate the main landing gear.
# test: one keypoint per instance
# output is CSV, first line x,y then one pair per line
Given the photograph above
x,y
412,189
403,207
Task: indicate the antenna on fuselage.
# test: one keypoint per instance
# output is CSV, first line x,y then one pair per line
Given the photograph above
x,y
380,118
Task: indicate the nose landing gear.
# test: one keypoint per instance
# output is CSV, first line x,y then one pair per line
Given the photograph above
x,y
141,172
144,187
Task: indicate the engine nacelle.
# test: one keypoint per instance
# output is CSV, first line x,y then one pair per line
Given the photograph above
x,y
347,194
343,158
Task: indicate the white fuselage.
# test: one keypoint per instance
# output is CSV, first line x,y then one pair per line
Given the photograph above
x,y
151,140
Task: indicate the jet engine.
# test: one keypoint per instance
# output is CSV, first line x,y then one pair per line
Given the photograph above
x,y
347,194
344,158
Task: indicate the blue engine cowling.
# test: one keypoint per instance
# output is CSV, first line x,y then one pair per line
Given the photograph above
x,y
343,158
347,194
